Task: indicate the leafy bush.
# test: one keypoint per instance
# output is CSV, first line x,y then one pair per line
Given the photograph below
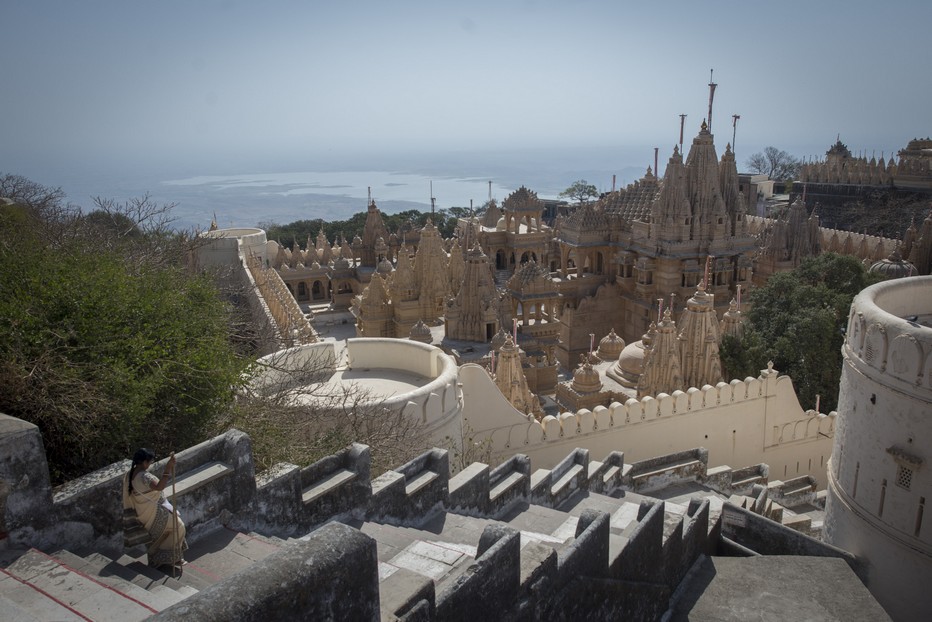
x,y
797,321
106,349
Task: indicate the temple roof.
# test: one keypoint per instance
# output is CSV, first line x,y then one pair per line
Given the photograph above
x,y
522,200
633,202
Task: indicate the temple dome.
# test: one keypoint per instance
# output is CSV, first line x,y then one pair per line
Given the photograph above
x,y
585,378
610,346
384,267
894,266
420,332
630,364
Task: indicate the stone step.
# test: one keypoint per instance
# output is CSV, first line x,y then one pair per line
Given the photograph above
x,y
22,602
75,590
146,576
274,540
224,552
107,571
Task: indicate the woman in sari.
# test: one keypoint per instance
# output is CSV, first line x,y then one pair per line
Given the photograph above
x,y
142,492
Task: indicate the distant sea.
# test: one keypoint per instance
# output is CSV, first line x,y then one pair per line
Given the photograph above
x,y
247,196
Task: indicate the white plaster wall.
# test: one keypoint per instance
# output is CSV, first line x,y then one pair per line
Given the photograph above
x,y
405,355
741,424
275,366
230,246
438,404
219,252
885,409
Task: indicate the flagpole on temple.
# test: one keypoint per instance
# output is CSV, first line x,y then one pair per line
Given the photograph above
x,y
682,123
712,86
734,131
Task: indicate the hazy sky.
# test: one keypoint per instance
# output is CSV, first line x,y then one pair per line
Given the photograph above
x,y
180,82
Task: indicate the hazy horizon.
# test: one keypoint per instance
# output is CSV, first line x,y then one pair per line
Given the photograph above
x,y
109,97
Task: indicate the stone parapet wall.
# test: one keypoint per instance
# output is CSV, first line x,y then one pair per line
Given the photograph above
x,y
215,480
332,576
581,579
334,573
883,343
769,426
217,484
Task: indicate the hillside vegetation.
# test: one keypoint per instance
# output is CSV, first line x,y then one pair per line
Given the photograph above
x,y
107,341
797,321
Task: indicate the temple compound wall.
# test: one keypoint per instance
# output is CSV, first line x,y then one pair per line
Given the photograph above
x,y
879,477
742,422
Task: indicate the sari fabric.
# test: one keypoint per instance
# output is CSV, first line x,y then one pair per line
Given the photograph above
x,y
155,513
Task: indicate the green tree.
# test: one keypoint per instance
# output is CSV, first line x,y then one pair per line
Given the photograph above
x,y
797,321
399,222
108,346
775,163
581,191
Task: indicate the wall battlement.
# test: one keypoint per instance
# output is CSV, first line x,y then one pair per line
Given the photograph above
x,y
543,582
759,412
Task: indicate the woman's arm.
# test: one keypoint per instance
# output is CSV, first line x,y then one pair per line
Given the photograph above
x,y
166,474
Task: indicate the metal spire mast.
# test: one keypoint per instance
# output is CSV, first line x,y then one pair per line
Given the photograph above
x,y
734,130
712,86
682,123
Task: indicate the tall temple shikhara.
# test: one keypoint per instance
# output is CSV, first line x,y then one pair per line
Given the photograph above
x,y
599,269
652,239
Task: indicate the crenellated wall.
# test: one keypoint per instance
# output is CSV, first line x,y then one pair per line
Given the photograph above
x,y
587,578
742,422
861,245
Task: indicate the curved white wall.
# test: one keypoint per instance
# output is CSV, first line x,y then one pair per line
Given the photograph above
x,y
880,476
437,404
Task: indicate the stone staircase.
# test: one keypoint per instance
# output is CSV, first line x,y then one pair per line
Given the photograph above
x,y
501,278
86,585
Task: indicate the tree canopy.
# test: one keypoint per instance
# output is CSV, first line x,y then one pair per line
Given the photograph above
x,y
299,230
775,163
107,341
580,191
797,321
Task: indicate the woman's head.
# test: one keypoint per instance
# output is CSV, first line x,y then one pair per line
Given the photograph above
x,y
143,455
